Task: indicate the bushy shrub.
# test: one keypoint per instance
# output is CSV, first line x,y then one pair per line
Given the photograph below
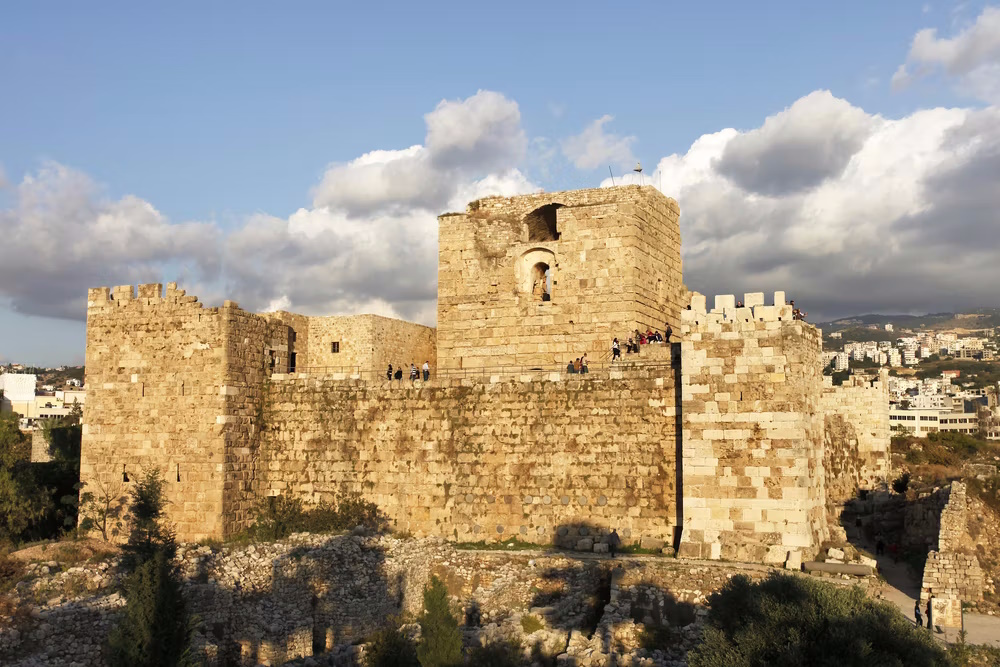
x,y
901,483
155,631
530,624
149,533
440,641
787,620
280,516
497,654
391,648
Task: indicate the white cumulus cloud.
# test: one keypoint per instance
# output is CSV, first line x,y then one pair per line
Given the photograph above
x,y
466,140
899,214
63,235
595,147
972,57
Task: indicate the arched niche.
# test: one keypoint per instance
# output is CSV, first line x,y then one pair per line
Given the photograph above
x,y
535,273
542,224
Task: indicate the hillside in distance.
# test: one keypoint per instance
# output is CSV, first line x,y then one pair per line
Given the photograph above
x,y
981,318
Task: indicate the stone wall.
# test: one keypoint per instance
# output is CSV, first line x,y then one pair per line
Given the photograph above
x,y
182,388
537,459
752,431
952,573
614,261
368,344
857,436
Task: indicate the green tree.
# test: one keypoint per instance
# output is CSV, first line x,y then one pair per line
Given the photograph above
x,y
788,620
22,499
102,508
156,630
440,640
149,533
390,648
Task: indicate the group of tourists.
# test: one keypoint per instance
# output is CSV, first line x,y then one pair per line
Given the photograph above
x,y
796,313
638,338
578,366
397,375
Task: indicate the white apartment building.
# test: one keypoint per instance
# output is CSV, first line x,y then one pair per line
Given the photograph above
x,y
895,358
888,327
920,422
841,362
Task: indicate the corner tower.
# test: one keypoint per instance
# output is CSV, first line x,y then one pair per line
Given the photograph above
x,y
538,280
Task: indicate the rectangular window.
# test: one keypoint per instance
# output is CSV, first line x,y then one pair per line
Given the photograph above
x,y
291,362
335,347
292,331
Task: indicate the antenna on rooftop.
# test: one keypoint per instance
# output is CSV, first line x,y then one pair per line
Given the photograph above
x,y
638,170
612,176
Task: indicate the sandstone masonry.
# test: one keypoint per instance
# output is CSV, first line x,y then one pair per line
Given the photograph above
x,y
725,443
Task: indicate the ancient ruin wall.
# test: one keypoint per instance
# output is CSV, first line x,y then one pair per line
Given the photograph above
x,y
614,267
857,436
752,432
155,365
537,460
952,573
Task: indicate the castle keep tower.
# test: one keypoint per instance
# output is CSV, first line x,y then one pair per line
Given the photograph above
x,y
538,280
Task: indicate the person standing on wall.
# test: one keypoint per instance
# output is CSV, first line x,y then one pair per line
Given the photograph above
x,y
399,375
616,350
388,373
427,371
667,332
413,372
916,614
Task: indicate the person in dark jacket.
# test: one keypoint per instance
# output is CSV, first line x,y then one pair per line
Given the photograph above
x,y
388,373
916,614
399,374
614,542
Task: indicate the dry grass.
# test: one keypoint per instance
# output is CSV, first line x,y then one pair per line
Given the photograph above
x,y
68,552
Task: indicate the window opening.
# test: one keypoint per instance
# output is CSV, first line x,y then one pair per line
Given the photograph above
x,y
291,362
542,223
335,347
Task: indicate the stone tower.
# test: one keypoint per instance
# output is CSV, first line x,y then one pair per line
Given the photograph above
x,y
538,280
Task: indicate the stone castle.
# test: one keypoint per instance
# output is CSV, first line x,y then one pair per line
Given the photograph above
x,y
725,442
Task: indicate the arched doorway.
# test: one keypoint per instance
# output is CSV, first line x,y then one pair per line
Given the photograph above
x,y
536,274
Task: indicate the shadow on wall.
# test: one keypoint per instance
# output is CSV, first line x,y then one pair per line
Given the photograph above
x,y
906,526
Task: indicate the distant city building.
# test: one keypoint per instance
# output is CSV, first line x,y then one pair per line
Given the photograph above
x,y
836,334
895,358
841,362
888,327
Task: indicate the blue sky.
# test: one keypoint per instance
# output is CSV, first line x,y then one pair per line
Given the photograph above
x,y
230,115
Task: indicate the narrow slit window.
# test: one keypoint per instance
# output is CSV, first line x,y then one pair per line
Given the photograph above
x,y
335,347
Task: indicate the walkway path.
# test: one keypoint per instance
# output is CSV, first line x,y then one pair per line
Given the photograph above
x,y
902,589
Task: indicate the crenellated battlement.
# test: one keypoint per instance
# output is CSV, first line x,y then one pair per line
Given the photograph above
x,y
754,309
149,294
